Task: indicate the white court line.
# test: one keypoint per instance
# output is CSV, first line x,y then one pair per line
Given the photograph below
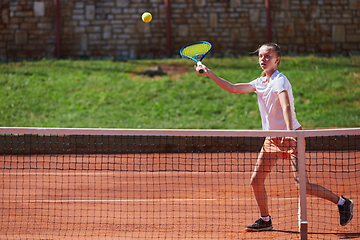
x,y
141,200
115,173
68,173
113,200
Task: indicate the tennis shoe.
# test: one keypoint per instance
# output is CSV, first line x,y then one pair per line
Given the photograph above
x,y
346,211
259,225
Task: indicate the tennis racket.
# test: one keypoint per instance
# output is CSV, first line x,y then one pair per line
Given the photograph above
x,y
196,51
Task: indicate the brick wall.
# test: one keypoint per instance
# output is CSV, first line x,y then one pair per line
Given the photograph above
x,y
113,28
26,29
309,26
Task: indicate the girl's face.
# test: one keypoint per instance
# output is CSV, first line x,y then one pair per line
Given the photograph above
x,y
267,59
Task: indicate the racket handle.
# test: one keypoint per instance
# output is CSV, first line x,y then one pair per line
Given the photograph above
x,y
201,70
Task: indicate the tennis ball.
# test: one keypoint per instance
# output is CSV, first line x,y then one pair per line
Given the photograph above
x,y
146,17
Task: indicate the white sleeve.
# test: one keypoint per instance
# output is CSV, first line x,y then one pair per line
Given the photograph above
x,y
254,83
280,84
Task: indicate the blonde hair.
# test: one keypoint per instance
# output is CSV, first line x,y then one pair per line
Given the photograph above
x,y
275,48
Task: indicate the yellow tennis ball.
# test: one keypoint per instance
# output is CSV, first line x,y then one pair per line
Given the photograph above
x,y
146,17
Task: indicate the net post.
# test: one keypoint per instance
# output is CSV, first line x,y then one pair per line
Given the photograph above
x,y
303,224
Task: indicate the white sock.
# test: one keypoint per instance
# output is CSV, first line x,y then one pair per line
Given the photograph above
x,y
266,219
341,201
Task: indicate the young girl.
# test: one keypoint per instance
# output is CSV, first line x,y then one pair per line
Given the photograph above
x,y
276,105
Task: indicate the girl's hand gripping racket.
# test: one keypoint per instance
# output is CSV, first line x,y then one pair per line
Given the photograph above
x,y
196,51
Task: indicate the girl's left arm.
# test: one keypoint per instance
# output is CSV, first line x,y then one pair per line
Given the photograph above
x,y
285,105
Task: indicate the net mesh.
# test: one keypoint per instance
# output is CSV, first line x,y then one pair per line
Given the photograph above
x,y
141,185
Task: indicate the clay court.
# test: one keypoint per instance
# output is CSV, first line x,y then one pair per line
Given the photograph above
x,y
165,196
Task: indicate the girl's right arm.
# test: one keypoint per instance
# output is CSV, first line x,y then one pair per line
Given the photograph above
x,y
224,84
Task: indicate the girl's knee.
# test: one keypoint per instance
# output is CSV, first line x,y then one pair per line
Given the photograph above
x,y
255,181
308,186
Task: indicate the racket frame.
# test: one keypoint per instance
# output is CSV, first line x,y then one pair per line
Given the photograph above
x,y
198,62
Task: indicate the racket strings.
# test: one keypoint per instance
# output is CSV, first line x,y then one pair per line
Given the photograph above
x,y
196,50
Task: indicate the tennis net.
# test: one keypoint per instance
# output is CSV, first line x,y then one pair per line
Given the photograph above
x,y
170,184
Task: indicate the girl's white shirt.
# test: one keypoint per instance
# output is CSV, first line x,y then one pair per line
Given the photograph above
x,y
272,116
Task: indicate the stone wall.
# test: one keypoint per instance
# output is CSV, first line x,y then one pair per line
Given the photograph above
x,y
325,26
26,29
113,28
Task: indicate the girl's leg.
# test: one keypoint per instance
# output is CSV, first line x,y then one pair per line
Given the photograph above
x,y
263,167
311,188
345,206
321,192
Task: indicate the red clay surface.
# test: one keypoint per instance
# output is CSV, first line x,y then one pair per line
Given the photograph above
x,y
199,196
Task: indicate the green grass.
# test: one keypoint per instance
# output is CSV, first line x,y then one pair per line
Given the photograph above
x,y
111,94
